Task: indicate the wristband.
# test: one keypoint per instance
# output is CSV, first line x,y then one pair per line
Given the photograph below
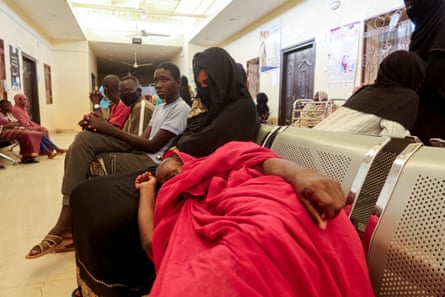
x,y
96,106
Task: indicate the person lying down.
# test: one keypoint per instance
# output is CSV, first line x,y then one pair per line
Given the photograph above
x,y
241,222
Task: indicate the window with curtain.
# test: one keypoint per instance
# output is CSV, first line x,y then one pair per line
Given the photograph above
x,y
383,35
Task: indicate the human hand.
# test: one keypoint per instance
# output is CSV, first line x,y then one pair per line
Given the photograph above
x,y
145,181
96,123
322,196
95,97
84,122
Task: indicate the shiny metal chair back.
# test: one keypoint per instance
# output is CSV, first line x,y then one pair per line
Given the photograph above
x,y
406,254
342,156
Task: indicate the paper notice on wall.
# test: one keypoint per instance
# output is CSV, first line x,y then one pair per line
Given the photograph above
x,y
343,55
270,44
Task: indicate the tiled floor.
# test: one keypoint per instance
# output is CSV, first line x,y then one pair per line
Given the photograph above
x,y
30,202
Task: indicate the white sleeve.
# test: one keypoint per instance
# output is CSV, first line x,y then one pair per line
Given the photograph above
x,y
393,129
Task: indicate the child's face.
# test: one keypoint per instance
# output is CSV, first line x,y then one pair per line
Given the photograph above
x,y
167,169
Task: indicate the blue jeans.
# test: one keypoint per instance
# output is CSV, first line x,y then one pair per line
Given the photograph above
x,y
46,145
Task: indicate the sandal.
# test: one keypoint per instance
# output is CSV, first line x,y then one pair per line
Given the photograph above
x,y
26,160
67,245
77,292
47,245
52,154
60,151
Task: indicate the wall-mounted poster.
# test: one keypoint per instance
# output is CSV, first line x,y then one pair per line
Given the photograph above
x,y
253,76
270,44
48,88
14,62
343,55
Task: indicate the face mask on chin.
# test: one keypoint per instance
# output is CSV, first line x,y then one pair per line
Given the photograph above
x,y
130,98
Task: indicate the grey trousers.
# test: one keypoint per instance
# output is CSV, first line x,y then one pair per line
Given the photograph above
x,y
86,146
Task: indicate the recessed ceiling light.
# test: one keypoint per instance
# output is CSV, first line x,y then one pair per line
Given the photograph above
x,y
334,4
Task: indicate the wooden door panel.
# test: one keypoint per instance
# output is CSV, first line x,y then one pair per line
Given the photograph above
x,y
298,78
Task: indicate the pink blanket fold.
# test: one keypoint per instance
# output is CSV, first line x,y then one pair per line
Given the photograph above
x,y
249,236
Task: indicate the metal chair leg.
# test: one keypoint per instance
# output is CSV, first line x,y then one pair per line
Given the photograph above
x,y
14,162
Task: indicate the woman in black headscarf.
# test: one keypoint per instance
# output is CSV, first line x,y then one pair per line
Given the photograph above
x,y
428,41
227,109
387,107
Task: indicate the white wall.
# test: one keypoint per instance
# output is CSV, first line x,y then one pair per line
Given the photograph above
x,y
72,62
71,66
71,83
302,21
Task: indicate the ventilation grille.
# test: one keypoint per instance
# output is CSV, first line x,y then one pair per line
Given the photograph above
x,y
415,265
371,189
332,165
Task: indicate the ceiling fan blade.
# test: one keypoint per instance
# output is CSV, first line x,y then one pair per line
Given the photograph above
x,y
157,35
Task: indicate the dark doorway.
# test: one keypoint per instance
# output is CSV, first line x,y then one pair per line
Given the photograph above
x,y
93,82
3,94
30,87
298,78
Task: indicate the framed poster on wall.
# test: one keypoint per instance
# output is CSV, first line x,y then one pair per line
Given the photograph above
x,y
343,55
14,61
48,88
270,45
253,76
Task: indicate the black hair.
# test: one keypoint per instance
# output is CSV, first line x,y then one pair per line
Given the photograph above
x,y
184,90
174,70
133,78
4,102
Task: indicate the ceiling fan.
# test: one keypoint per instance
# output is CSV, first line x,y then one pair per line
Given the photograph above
x,y
135,63
145,33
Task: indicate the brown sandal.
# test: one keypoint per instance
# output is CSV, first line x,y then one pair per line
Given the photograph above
x,y
47,245
67,245
52,154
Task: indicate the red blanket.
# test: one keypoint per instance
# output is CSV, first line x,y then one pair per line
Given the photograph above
x,y
224,229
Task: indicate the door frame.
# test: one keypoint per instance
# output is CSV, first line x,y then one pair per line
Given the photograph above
x,y
285,52
33,84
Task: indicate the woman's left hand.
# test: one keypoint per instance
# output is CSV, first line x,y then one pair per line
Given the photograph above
x,y
322,196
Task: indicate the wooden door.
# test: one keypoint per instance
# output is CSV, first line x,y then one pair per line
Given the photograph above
x,y
3,94
30,87
298,78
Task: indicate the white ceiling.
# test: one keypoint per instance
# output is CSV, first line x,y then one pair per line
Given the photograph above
x,y
55,20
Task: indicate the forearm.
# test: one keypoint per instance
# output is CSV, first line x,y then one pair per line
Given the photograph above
x,y
322,196
284,168
145,218
136,141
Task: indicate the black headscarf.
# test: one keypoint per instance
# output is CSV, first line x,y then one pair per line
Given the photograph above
x,y
429,19
225,82
231,113
393,95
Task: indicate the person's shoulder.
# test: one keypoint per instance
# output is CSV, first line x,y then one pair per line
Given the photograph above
x,y
148,105
183,104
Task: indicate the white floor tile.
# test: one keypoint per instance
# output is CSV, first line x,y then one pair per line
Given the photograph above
x,y
30,202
